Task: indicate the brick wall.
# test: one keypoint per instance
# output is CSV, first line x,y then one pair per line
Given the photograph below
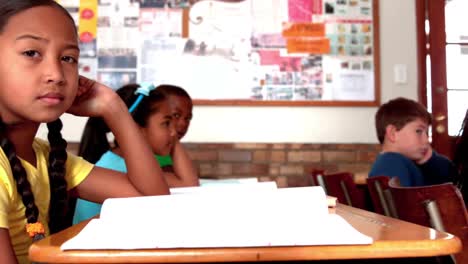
x,y
288,164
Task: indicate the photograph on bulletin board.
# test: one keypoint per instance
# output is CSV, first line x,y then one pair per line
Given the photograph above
x,y
235,52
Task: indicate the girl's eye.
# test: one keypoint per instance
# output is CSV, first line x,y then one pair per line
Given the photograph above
x,y
69,59
31,53
419,131
176,115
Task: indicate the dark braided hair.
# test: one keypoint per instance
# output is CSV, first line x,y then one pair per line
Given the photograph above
x,y
57,155
19,175
58,184
56,168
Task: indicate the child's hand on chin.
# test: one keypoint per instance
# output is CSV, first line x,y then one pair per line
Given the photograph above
x,y
426,156
92,98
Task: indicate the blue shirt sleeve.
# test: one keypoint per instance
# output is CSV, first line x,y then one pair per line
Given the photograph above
x,y
438,169
396,165
86,209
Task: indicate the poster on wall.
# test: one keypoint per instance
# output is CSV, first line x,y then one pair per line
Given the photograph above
x,y
216,58
161,22
117,45
349,72
161,43
257,50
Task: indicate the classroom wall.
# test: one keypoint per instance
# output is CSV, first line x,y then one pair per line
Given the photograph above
x,y
219,124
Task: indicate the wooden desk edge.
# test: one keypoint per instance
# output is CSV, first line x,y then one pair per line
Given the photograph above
x,y
49,251
383,250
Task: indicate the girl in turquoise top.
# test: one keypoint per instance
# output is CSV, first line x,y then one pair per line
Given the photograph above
x,y
181,107
154,117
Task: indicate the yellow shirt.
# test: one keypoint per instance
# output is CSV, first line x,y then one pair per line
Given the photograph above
x,y
11,206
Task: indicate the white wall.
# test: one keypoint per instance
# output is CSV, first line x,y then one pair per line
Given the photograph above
x,y
308,124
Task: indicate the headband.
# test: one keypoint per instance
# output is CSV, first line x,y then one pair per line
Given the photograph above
x,y
144,90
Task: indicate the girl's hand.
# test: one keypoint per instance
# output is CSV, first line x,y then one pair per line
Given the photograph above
x,y
91,98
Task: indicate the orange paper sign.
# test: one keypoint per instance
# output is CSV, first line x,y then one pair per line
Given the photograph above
x,y
303,30
308,45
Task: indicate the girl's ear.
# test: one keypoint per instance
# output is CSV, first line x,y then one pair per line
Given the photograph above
x,y
390,133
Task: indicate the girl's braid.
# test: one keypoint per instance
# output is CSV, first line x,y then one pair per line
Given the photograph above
x,y
58,185
19,174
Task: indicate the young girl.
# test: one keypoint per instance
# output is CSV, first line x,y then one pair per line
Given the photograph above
x,y
181,106
153,115
39,81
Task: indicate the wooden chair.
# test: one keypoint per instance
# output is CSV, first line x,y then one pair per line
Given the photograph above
x,y
316,178
340,185
380,195
438,206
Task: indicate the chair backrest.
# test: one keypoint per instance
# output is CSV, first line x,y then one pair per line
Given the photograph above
x,y
341,185
378,187
438,206
316,178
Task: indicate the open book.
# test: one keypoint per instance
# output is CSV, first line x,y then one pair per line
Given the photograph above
x,y
205,182
222,186
234,185
235,217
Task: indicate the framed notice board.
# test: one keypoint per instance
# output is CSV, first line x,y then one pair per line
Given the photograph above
x,y
238,52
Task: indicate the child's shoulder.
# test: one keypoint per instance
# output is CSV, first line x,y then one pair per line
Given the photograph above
x,y
6,176
440,160
392,164
392,156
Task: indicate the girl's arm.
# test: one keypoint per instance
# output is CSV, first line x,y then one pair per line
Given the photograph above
x,y
185,173
7,254
144,176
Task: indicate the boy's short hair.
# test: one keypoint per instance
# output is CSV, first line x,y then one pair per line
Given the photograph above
x,y
399,112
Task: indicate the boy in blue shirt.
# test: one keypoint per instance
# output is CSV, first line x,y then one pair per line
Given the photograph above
x,y
402,129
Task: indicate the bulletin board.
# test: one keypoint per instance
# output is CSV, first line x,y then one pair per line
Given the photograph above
x,y
236,52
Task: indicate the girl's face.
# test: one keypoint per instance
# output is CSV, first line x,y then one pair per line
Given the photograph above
x,y
181,109
160,131
39,65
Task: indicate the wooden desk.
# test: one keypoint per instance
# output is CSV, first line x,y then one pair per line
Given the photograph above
x,y
360,178
393,239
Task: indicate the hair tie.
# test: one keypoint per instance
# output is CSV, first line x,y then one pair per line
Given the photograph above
x,y
34,229
142,91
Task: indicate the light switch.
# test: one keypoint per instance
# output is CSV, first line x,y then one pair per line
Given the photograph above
x,y
400,74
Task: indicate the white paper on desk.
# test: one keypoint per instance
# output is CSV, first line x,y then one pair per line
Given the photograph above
x,y
209,182
281,217
227,186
